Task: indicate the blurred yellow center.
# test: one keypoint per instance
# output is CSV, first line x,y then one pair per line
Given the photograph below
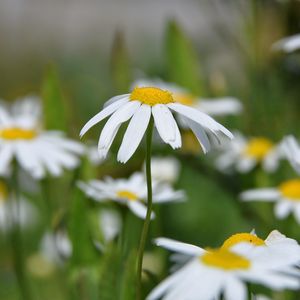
x,y
16,133
125,194
3,192
258,148
291,189
185,99
224,259
242,238
151,96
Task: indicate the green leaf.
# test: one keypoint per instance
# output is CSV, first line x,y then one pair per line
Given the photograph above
x,y
182,63
120,64
53,101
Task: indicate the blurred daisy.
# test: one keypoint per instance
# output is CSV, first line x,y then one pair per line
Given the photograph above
x,y
286,197
288,44
212,273
36,151
131,192
291,149
244,154
93,155
215,107
285,251
165,169
138,107
11,212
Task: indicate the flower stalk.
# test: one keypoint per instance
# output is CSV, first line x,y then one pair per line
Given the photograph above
x,y
149,209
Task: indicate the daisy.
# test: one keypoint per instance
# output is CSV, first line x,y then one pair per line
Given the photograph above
x,y
37,151
286,197
288,44
215,107
165,169
131,192
291,149
11,212
210,273
140,106
285,251
244,154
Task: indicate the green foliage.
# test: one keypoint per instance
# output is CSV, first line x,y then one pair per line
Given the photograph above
x,y
120,65
55,113
181,58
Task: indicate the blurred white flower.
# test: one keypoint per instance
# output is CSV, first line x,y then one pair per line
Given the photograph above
x,y
165,169
131,192
286,197
214,106
109,223
291,149
244,154
20,212
36,151
93,155
56,247
210,273
288,44
139,107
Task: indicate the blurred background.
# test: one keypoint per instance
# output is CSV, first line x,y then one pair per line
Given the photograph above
x,y
91,50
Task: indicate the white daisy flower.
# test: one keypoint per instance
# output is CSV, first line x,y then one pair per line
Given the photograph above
x,y
56,247
36,151
285,251
142,104
11,212
286,197
211,273
291,149
165,169
288,44
215,106
131,192
244,154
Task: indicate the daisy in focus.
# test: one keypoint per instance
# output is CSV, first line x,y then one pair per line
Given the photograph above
x,y
208,274
291,149
131,192
214,107
11,212
243,155
140,106
288,44
286,197
36,151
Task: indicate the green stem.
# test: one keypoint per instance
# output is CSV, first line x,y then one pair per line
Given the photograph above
x,y
16,239
149,209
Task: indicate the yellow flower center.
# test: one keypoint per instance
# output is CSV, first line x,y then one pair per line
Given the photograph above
x,y
16,133
291,189
226,260
3,192
242,238
151,96
125,194
258,148
185,99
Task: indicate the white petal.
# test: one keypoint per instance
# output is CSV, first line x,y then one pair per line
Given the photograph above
x,y
107,111
139,209
164,122
112,126
282,209
264,194
115,99
134,133
235,289
200,118
199,133
179,246
6,154
245,164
